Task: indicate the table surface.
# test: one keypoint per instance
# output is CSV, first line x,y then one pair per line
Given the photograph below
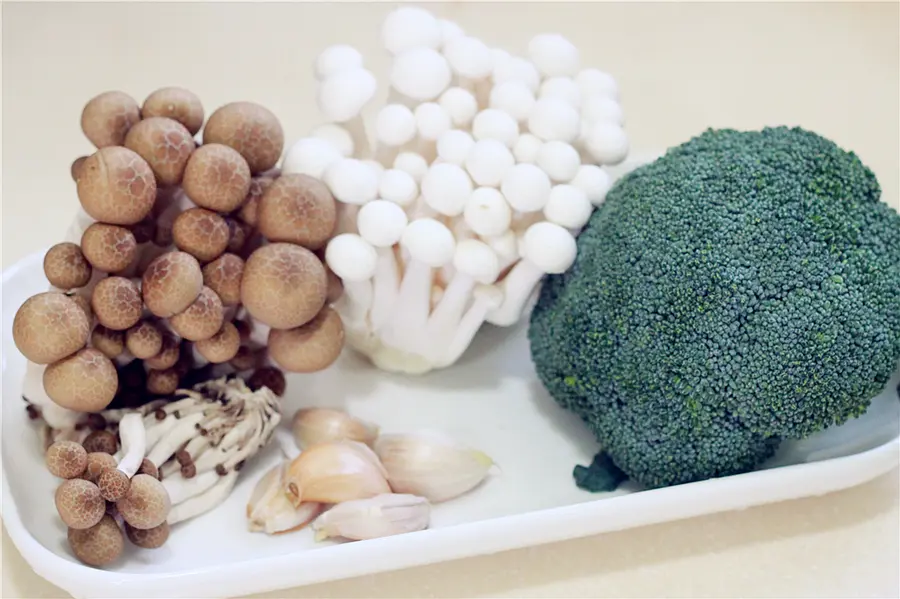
x,y
833,68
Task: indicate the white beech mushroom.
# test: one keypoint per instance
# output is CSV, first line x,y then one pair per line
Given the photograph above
x,y
410,27
395,127
309,156
488,162
337,136
493,123
454,146
593,181
342,96
460,104
607,143
114,483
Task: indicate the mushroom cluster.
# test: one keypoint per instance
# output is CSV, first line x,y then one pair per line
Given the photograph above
x,y
469,185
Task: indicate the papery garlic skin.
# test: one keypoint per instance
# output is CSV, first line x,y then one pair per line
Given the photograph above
x,y
379,516
322,425
431,465
333,473
270,511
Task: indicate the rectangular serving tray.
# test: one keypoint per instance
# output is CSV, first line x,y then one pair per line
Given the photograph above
x,y
490,399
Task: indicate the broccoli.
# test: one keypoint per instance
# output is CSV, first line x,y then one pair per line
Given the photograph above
x,y
740,290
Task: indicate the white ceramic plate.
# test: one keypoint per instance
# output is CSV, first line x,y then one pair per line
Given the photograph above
x,y
491,399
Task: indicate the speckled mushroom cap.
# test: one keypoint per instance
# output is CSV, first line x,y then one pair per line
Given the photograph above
x,y
79,503
283,285
171,283
163,382
175,103
223,275
147,504
109,248
116,186
167,356
113,484
116,303
85,382
66,459
49,326
101,441
202,319
216,177
222,346
298,209
99,545
152,538
97,461
311,347
144,340
108,341
106,118
258,186
201,233
66,267
250,129
165,144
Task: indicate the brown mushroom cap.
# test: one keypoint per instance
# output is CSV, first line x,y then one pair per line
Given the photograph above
x,y
66,459
311,347
167,356
245,359
258,186
151,538
216,177
268,377
223,275
202,319
97,461
250,129
50,326
222,346
144,231
79,503
239,233
144,340
108,341
75,169
163,382
335,286
83,303
148,467
106,118
113,484
116,302
99,545
66,267
171,283
85,381
117,186
146,504
101,442
175,103
109,248
165,144
201,233
284,285
298,209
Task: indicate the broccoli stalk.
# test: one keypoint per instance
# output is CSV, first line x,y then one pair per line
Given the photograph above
x,y
601,476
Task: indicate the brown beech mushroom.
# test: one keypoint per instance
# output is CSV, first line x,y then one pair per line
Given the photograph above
x,y
258,186
171,283
311,347
106,118
144,231
116,302
250,129
165,144
108,341
217,178
202,319
148,467
167,356
222,346
175,103
298,209
151,538
79,503
96,462
335,286
163,382
245,359
144,340
50,326
66,267
283,285
66,459
223,275
239,234
109,248
269,377
201,233
75,169
85,381
101,442
83,303
113,484
146,504
117,186
99,545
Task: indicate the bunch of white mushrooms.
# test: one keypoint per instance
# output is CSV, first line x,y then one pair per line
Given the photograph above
x,y
467,187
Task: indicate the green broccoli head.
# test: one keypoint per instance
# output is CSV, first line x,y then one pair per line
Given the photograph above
x,y
742,289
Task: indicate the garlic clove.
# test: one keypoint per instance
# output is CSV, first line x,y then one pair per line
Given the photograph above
x,y
333,473
322,425
379,516
431,464
266,488
270,511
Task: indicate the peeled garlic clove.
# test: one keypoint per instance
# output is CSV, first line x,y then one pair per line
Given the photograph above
x,y
266,488
322,425
379,516
333,473
431,465
271,511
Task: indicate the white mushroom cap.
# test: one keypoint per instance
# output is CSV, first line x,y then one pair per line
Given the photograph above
x,y
410,27
487,213
554,119
559,160
593,181
554,55
420,73
549,247
454,146
352,181
309,156
337,136
381,223
563,88
607,142
460,104
526,187
514,68
513,97
376,166
594,82
446,188
492,123
449,31
568,207
395,125
469,57
351,257
429,241
342,96
431,120
488,161
412,163
337,58
477,260
398,187
527,147
602,108
506,245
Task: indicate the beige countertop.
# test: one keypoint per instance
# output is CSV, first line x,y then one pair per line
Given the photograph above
x,y
833,68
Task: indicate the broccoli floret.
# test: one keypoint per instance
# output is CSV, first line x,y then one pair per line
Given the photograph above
x,y
740,290
602,476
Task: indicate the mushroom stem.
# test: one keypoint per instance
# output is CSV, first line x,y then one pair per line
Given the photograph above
x,y
410,313
178,436
487,298
157,429
386,284
386,154
356,127
517,287
134,443
181,489
204,502
396,97
358,296
446,316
